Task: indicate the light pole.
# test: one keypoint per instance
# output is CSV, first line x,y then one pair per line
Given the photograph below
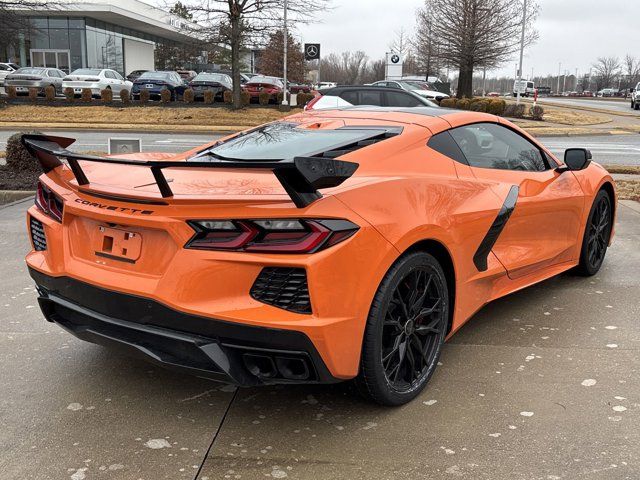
x,y
558,89
285,100
524,21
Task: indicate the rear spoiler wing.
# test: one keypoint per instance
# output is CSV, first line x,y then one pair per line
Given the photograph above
x,y
300,177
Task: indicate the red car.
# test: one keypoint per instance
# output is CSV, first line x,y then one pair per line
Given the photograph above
x,y
259,84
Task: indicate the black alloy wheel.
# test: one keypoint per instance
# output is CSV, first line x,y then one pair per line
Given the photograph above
x,y
405,330
596,235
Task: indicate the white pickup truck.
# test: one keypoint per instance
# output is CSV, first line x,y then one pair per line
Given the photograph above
x,y
635,97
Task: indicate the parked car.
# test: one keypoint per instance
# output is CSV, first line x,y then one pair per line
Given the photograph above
x,y
493,94
218,83
635,97
338,97
156,82
423,89
35,77
296,88
606,92
261,84
135,74
244,77
96,80
587,93
325,85
6,69
187,75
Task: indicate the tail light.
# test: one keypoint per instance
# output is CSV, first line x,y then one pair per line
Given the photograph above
x,y
91,79
272,235
49,203
311,102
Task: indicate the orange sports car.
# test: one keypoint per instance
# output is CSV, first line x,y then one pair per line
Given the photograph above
x,y
322,247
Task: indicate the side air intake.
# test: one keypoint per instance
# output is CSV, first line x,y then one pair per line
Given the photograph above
x,y
284,288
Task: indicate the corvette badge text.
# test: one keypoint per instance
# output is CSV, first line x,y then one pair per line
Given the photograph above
x,y
113,208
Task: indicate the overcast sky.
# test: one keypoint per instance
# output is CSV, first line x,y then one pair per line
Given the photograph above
x,y
574,32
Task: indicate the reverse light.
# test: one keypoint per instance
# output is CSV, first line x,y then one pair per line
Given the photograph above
x,y
270,235
49,203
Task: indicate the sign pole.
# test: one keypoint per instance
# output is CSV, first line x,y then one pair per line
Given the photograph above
x,y
285,100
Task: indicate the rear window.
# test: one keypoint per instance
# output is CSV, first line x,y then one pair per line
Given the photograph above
x,y
155,76
283,141
31,71
86,71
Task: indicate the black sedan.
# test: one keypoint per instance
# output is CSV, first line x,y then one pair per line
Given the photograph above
x,y
156,82
218,83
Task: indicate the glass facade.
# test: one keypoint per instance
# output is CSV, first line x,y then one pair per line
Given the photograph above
x,y
91,43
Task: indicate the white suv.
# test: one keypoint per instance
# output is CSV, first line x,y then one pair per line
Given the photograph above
x,y
635,97
6,69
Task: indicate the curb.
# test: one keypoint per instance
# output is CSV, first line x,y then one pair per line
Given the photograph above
x,y
13,197
110,127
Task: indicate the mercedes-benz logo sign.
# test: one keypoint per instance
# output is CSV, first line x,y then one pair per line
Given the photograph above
x,y
312,51
395,58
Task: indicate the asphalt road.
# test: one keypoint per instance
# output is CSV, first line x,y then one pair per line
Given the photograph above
x,y
151,142
612,105
544,384
611,149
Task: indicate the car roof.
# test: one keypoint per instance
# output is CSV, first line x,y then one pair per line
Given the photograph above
x,y
345,88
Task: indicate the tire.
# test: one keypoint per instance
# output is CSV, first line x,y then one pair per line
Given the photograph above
x,y
596,236
636,106
394,342
633,106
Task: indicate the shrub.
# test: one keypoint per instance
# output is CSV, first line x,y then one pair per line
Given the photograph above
x,y
125,96
208,97
86,95
227,96
106,95
165,96
188,96
279,98
68,94
245,98
18,158
514,110
304,98
33,94
448,102
144,95
50,93
479,105
11,92
536,112
463,104
264,98
496,106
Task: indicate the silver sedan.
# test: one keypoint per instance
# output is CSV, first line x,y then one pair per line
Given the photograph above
x,y
35,77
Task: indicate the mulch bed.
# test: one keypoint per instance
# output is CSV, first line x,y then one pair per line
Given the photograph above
x,y
18,180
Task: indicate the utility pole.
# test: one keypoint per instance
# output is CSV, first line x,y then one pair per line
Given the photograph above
x,y
558,89
285,100
524,21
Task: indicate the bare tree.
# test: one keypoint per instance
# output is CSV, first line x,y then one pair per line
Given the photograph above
x,y
401,44
606,70
348,68
631,70
472,33
14,22
242,23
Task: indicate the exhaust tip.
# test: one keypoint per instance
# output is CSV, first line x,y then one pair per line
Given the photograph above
x,y
293,368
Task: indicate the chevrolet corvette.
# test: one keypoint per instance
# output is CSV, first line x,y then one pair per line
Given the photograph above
x,y
327,246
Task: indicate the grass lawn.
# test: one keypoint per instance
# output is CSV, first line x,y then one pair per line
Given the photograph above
x,y
628,190
139,115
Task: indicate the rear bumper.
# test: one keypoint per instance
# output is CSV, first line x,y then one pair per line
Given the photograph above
x,y
233,353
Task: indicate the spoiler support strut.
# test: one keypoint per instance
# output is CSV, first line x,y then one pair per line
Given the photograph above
x,y
301,177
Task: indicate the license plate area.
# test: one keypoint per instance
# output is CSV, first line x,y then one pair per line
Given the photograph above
x,y
118,244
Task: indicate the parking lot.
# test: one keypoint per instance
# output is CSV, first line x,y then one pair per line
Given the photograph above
x,y
543,384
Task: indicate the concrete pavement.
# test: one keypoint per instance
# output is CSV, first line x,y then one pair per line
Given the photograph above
x,y
612,149
543,384
614,106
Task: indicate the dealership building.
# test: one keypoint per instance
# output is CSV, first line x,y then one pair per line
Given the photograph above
x,y
119,34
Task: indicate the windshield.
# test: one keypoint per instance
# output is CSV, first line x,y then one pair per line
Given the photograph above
x,y
86,71
282,140
210,77
31,70
154,76
420,86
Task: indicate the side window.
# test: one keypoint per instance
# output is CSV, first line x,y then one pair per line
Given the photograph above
x,y
109,74
400,99
350,96
371,98
117,76
445,144
4,67
488,145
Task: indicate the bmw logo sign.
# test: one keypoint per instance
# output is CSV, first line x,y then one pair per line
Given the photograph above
x,y
395,58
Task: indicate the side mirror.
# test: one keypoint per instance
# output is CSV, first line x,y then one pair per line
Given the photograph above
x,y
575,159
